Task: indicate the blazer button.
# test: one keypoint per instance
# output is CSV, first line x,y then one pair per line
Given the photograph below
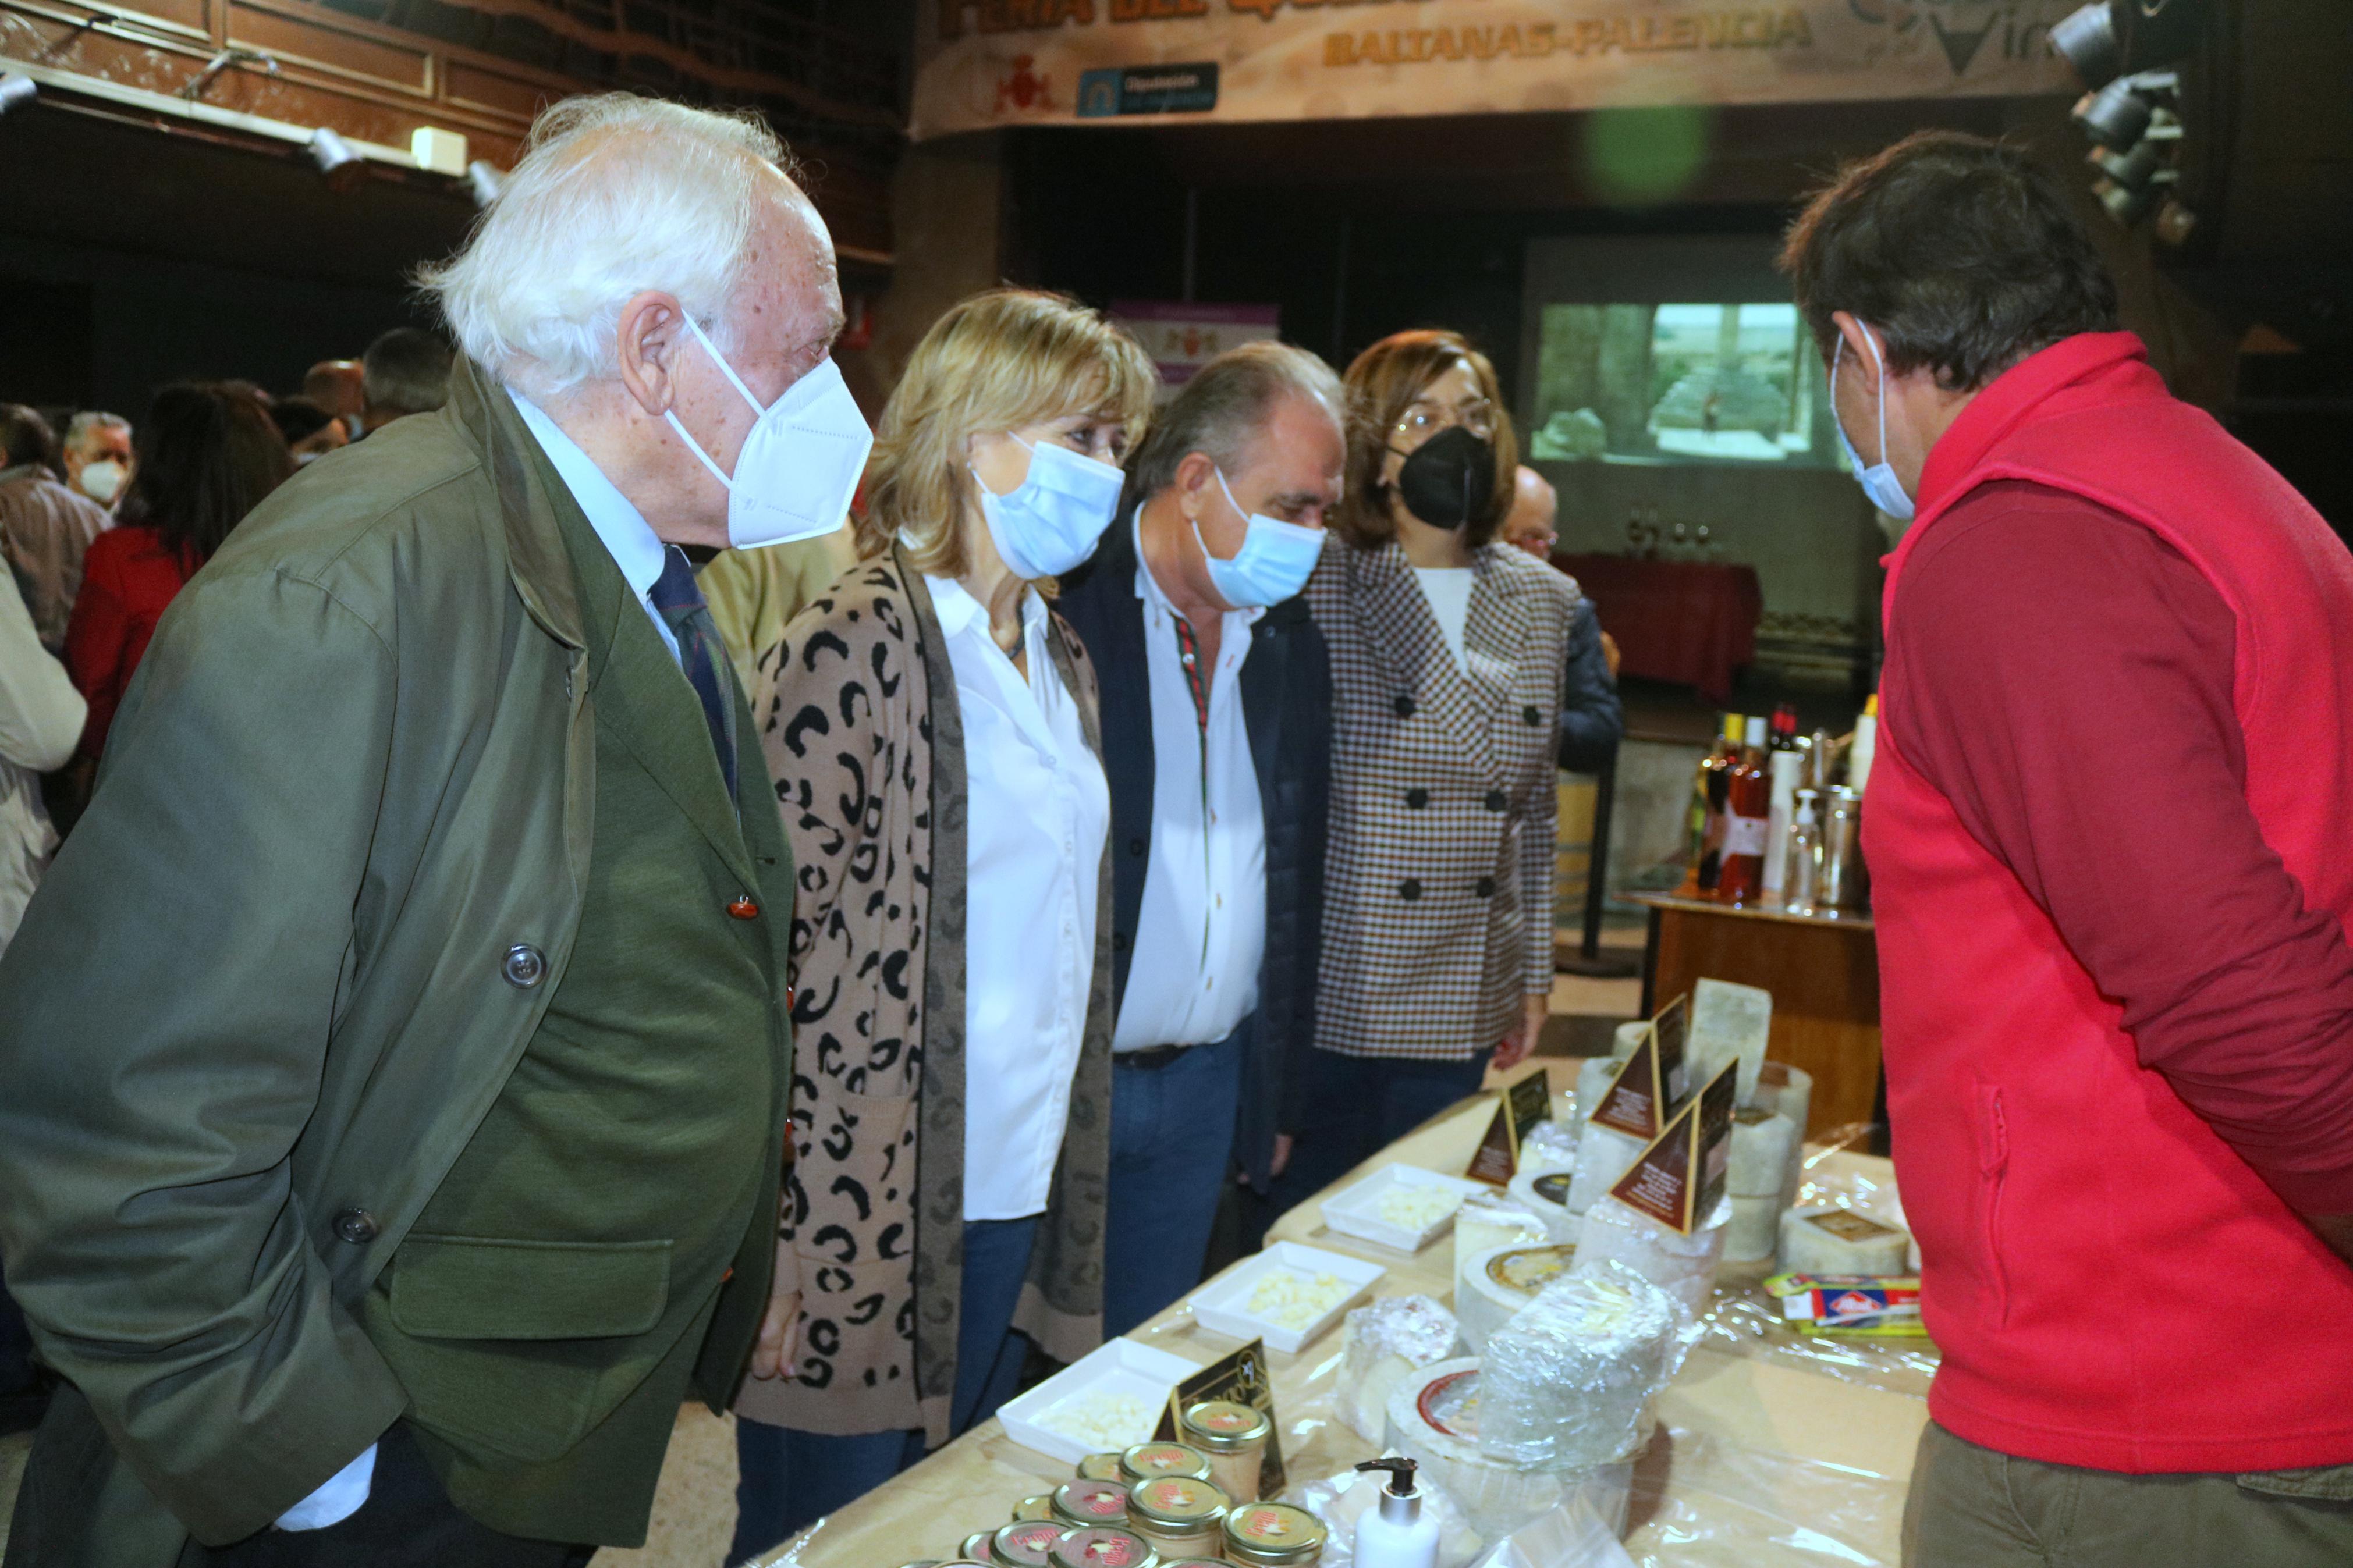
x,y
523,967
1136,846
744,909
1410,889
1417,798
1119,941
1533,716
1495,801
1485,887
1404,707
356,1227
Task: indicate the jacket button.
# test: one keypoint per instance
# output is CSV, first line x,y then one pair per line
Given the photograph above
x,y
356,1227
523,967
1417,798
1410,889
1485,887
1495,801
1532,715
1119,941
1405,707
744,909
1136,846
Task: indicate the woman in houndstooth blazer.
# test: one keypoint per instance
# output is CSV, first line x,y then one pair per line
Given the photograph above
x,y
1448,652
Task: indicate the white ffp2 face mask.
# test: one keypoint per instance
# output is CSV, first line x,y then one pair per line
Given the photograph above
x,y
800,462
1051,520
101,481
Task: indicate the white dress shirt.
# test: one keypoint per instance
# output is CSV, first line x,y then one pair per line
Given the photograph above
x,y
1448,589
1200,930
637,549
627,537
1036,811
40,721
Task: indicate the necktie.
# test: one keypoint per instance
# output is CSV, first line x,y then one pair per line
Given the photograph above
x,y
699,653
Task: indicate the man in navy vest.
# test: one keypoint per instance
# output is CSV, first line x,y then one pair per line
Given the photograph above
x,y
1217,739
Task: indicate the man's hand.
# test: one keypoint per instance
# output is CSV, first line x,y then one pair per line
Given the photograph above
x,y
1513,1048
1610,654
1282,1161
780,1343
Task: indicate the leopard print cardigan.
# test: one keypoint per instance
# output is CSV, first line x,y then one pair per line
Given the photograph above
x,y
857,715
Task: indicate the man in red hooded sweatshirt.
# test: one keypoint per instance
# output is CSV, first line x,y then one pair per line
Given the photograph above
x,y
2106,833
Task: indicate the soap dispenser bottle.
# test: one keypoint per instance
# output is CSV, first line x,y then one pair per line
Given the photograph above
x,y
1396,1533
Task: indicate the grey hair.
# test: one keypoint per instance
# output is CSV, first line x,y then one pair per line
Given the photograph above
x,y
89,422
1222,409
614,195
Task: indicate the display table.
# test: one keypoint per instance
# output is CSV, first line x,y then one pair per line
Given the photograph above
x,y
1822,967
1690,622
1771,1451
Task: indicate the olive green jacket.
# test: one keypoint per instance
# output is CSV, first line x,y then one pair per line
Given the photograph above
x,y
278,975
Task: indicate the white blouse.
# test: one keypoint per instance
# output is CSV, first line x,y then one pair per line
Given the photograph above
x,y
1036,810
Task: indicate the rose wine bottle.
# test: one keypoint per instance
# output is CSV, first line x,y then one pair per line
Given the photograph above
x,y
1748,803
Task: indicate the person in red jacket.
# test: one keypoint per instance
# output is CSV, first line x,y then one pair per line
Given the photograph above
x,y
207,454
2106,834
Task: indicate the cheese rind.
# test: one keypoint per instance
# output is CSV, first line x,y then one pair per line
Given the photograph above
x,y
1838,1241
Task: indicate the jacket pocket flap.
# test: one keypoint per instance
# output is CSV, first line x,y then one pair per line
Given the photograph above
x,y
480,1288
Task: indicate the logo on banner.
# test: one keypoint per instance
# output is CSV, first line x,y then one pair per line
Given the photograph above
x,y
1148,89
1025,89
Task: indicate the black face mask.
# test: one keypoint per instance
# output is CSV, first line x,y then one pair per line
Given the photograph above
x,y
1448,478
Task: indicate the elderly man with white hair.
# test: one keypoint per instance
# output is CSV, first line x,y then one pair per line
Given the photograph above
x,y
397,1058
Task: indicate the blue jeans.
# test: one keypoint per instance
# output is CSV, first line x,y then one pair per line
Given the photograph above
x,y
1357,1106
790,1479
1172,1141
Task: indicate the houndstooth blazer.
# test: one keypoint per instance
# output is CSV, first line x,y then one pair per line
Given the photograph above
x,y
1438,879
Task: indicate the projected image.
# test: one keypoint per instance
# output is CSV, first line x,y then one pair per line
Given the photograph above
x,y
1681,384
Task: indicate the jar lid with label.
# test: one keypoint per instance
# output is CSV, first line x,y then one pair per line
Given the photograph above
x,y
1026,1544
1177,1502
1145,1460
1099,1468
1039,1507
1224,1426
1101,1547
1083,1502
975,1547
1274,1535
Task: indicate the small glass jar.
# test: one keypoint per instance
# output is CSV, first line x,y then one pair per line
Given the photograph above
x,y
1145,1460
1274,1535
1179,1515
1103,1547
1099,1468
1234,1437
975,1547
1025,1543
1034,1508
1081,1504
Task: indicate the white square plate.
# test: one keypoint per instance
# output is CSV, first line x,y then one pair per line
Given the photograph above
x,y
1357,1211
1121,1367
1223,1306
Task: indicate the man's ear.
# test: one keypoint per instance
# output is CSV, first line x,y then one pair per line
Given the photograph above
x,y
1860,348
648,340
1195,474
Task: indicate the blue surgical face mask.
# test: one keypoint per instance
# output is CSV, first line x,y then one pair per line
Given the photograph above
x,y
1051,520
1273,562
1878,481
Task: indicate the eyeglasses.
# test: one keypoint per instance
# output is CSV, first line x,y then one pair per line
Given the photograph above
x,y
1422,420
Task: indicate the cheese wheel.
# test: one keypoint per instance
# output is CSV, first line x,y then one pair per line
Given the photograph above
x,y
1568,1383
1495,1284
1486,1221
1433,1421
1791,1092
1842,1241
1682,1266
1594,1076
1761,1153
1629,1038
1545,1194
1753,1229
1603,1155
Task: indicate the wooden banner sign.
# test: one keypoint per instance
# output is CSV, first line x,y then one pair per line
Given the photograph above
x,y
1524,1103
981,64
1651,1083
1242,1378
1681,1177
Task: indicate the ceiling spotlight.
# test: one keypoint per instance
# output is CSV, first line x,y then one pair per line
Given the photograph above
x,y
485,180
337,161
16,89
2086,39
2117,116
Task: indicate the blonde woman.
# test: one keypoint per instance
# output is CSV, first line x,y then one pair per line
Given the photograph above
x,y
931,725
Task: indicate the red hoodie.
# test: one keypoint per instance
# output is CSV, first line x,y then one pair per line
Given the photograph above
x,y
2111,1284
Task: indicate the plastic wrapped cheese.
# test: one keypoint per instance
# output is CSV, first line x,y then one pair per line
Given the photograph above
x,y
1497,1283
1761,1141
1594,1076
1545,1194
1433,1420
1629,1038
1682,1266
1841,1241
1791,1092
1568,1385
1753,1230
1603,1155
1383,1344
1489,1220
1549,1146
1729,1023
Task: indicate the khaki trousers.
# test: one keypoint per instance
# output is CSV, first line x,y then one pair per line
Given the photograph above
x,y
1973,1508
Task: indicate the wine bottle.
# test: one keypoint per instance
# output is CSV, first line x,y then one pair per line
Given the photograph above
x,y
1749,799
1715,785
